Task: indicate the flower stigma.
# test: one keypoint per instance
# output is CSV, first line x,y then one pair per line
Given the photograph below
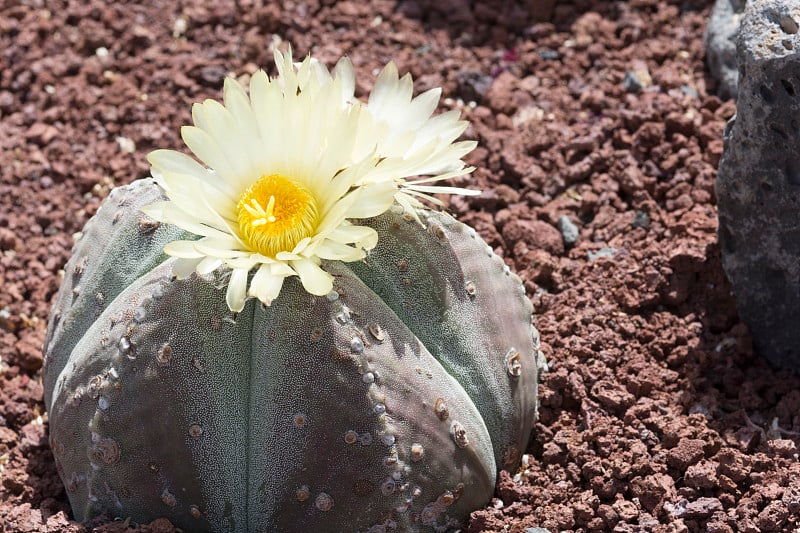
x,y
275,213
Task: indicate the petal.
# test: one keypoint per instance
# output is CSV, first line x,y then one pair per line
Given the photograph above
x,y
428,197
344,71
335,251
208,265
363,235
212,248
389,92
410,205
183,268
170,213
437,189
286,256
203,145
177,162
238,103
237,290
314,279
440,177
183,249
243,263
266,285
372,200
188,191
344,181
302,245
227,134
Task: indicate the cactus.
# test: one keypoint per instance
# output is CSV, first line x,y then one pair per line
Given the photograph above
x,y
388,404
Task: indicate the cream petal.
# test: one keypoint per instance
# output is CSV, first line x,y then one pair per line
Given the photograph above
x,y
266,285
438,189
237,290
363,235
238,103
342,183
198,115
183,249
344,71
281,269
314,279
172,214
183,268
245,262
335,251
428,197
286,72
336,214
304,72
287,256
372,200
445,128
319,73
398,145
423,106
225,131
176,162
220,252
443,162
207,150
263,98
302,245
410,205
410,116
389,92
188,192
208,265
440,177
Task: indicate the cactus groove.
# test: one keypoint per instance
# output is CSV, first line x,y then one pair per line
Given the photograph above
x,y
389,404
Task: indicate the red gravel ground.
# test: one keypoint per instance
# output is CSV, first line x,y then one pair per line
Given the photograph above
x,y
656,414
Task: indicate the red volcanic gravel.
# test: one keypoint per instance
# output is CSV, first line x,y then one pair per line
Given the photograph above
x,y
656,415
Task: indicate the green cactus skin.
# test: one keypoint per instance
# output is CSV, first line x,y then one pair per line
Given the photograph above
x,y
388,405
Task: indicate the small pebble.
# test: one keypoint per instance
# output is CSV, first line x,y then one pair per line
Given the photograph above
x,y
569,231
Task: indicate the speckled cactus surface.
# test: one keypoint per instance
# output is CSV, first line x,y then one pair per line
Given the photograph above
x,y
390,404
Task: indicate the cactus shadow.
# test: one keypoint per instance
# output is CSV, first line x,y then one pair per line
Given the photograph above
x,y
44,489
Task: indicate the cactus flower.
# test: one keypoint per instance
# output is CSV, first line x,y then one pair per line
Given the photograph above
x,y
286,170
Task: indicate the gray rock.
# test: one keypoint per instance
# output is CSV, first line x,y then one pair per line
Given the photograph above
x,y
758,185
702,508
472,85
720,44
569,231
641,220
602,252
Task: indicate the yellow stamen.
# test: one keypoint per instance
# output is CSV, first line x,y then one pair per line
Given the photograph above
x,y
275,213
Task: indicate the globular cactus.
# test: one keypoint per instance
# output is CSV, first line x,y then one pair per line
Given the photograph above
x,y
388,405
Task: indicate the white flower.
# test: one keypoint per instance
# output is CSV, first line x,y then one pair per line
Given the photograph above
x,y
288,168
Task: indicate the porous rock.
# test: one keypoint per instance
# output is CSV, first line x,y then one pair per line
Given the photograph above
x,y
758,187
720,42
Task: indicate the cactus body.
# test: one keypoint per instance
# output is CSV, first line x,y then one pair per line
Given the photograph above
x,y
388,405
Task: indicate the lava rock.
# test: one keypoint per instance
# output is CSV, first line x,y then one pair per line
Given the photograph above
x,y
758,186
720,42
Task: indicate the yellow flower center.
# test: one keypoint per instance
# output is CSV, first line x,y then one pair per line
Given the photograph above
x,y
275,213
